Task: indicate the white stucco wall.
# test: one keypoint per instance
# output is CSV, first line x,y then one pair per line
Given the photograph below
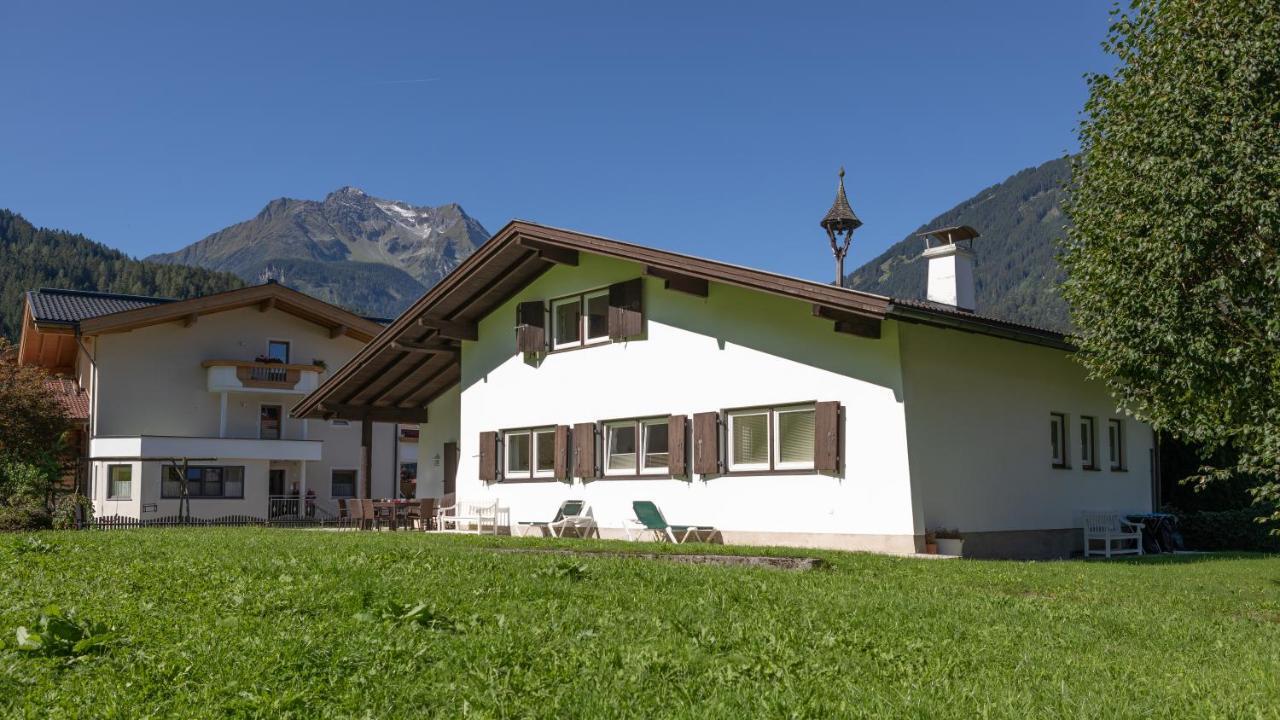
x,y
978,423
442,426
149,381
735,348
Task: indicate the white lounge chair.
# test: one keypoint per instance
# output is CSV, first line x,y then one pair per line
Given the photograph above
x,y
1113,532
573,515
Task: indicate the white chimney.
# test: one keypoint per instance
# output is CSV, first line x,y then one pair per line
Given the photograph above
x,y
951,266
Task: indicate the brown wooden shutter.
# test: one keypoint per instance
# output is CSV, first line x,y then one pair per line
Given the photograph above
x,y
531,327
562,452
489,456
826,441
626,309
677,429
706,443
584,450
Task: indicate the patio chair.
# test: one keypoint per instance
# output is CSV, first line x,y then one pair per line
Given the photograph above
x,y
572,514
344,515
649,519
371,519
424,514
1113,531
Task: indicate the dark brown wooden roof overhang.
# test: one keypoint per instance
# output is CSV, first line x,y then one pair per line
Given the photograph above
x,y
415,359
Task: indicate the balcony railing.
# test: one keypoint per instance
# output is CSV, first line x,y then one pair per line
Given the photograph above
x,y
250,376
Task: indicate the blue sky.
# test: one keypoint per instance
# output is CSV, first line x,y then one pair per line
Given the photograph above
x,y
708,128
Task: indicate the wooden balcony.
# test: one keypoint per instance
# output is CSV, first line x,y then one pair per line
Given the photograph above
x,y
250,376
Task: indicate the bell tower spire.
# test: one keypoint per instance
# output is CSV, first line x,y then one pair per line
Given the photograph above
x,y
840,222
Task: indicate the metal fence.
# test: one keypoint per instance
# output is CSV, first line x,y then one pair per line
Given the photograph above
x,y
119,522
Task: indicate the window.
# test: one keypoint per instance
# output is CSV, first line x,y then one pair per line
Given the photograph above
x,y
529,454
204,482
1115,443
119,482
342,484
580,320
1058,439
771,438
269,422
1088,449
636,447
278,350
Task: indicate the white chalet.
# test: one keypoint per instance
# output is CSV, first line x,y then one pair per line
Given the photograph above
x,y
555,365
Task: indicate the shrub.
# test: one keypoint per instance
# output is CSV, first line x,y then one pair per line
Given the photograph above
x,y
24,515
68,508
1227,530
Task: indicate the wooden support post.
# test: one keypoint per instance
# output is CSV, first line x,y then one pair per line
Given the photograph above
x,y
366,458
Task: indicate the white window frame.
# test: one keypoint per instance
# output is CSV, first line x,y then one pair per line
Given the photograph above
x,y
1058,430
1115,443
609,427
533,452
127,496
730,417
585,320
555,322
775,440
1088,442
508,473
642,446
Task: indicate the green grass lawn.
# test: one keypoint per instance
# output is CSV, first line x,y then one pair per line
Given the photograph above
x,y
293,623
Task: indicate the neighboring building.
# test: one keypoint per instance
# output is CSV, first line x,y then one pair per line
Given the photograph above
x,y
207,384
554,365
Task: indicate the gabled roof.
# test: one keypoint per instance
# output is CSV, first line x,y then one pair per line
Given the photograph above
x,y
415,359
51,305
266,296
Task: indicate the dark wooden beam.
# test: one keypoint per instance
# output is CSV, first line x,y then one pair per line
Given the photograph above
x,y
427,381
426,346
851,323
391,386
549,252
451,329
267,304
190,320
680,282
337,331
375,413
366,456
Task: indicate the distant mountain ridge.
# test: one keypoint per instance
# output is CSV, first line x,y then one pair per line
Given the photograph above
x,y
1016,268
367,254
32,257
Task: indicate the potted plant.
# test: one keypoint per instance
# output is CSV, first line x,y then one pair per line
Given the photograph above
x,y
931,543
950,542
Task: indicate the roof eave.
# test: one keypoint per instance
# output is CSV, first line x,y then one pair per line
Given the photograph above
x,y
979,325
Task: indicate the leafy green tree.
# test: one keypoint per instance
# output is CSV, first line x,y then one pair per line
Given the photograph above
x,y
32,424
1172,262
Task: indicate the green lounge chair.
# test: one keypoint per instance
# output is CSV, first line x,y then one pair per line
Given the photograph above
x,y
570,510
650,518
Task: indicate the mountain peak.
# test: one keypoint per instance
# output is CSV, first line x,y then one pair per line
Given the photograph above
x,y
368,254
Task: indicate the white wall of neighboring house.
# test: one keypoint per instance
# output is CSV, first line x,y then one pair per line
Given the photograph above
x,y
978,413
441,427
735,348
150,382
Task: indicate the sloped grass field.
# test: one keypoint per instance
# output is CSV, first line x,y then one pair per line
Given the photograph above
x,y
291,623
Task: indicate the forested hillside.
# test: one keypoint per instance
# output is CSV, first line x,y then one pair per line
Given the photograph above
x,y
1017,273
32,257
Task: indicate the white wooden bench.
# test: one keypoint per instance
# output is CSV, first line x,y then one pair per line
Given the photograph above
x,y
470,517
1113,532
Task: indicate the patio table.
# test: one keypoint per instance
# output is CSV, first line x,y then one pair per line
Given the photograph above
x,y
396,510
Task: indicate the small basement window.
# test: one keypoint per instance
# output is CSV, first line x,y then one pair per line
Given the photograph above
x,y
1058,439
